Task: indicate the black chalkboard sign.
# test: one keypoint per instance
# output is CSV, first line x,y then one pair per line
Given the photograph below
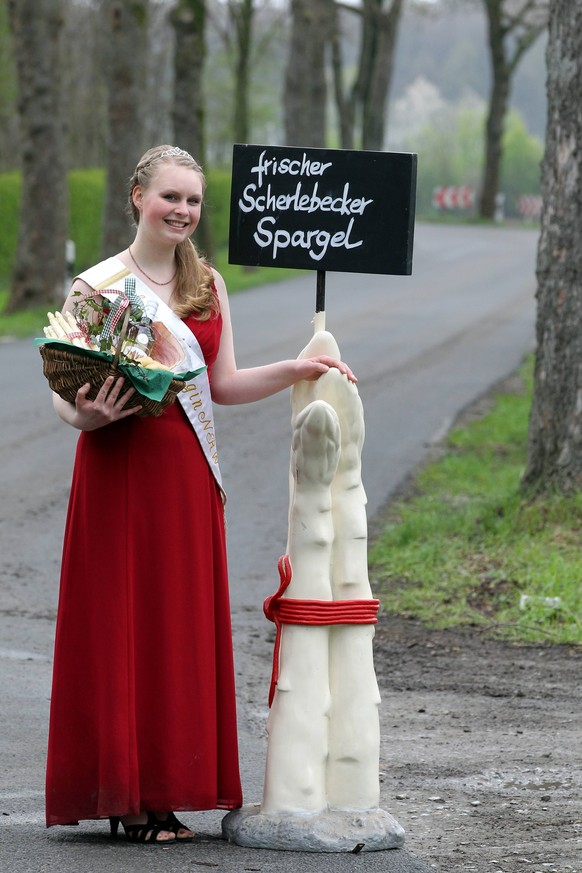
x,y
322,209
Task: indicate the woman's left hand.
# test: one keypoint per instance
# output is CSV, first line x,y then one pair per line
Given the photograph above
x,y
312,368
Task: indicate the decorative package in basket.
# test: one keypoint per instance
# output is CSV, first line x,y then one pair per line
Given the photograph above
x,y
110,333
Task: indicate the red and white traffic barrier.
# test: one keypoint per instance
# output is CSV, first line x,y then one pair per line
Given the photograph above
x,y
453,197
530,206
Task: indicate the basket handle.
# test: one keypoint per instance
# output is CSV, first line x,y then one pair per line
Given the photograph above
x,y
122,335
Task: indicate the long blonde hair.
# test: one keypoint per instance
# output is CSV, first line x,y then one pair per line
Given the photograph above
x,y
193,291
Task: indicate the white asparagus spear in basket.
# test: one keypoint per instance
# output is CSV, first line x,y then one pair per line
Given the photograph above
x,y
54,323
71,329
66,329
85,342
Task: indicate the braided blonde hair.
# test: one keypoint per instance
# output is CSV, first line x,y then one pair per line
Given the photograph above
x,y
193,291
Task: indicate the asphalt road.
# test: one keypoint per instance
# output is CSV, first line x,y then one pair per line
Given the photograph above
x,y
423,347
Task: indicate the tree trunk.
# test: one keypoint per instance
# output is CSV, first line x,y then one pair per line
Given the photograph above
x,y
555,434
125,76
242,14
84,90
349,105
384,26
364,110
513,28
39,272
344,104
189,23
305,86
10,142
498,105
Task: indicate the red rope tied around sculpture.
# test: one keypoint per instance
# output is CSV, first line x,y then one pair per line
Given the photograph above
x,y
286,610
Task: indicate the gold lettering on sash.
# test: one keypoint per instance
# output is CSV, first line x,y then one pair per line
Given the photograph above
x,y
205,422
193,392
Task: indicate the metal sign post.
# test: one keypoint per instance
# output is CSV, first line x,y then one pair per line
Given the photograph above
x,y
319,321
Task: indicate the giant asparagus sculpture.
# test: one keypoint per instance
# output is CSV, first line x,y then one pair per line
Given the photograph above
x,y
321,790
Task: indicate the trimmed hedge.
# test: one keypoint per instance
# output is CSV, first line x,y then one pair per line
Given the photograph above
x,y
86,193
9,216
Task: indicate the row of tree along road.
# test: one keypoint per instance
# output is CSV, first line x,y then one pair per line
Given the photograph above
x,y
314,36
336,53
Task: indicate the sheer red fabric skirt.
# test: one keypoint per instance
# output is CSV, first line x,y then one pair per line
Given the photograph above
x,y
143,712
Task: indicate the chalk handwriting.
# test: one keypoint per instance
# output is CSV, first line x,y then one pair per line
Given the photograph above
x,y
272,166
302,202
316,242
318,198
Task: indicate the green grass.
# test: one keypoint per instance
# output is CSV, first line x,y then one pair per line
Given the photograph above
x,y
239,278
9,217
465,548
20,325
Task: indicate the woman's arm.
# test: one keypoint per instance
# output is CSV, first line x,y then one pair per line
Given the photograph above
x,y
78,288
230,385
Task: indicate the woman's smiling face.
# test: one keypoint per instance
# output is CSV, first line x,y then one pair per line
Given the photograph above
x,y
169,207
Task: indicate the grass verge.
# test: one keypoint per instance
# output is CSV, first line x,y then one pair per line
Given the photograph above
x,y
20,325
464,548
239,278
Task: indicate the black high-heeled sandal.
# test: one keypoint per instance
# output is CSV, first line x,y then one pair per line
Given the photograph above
x,y
171,823
144,832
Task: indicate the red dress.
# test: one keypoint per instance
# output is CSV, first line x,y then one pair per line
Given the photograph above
x,y
143,703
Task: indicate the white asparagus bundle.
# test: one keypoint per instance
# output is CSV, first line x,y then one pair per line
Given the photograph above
x,y
65,328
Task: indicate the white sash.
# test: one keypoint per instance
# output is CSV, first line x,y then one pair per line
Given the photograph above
x,y
195,396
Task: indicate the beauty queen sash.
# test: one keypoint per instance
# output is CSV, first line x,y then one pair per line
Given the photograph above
x,y
195,396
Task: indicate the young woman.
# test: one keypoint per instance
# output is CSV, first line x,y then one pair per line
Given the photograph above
x,y
143,720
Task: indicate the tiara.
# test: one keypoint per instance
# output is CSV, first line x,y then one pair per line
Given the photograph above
x,y
175,152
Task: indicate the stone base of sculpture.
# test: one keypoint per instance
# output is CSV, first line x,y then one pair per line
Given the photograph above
x,y
328,831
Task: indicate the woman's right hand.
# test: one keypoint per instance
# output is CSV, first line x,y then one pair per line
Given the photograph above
x,y
108,406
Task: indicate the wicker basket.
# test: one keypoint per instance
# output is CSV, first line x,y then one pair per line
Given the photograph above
x,y
68,370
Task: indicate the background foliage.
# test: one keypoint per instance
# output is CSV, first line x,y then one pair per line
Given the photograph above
x,y
447,49
438,103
